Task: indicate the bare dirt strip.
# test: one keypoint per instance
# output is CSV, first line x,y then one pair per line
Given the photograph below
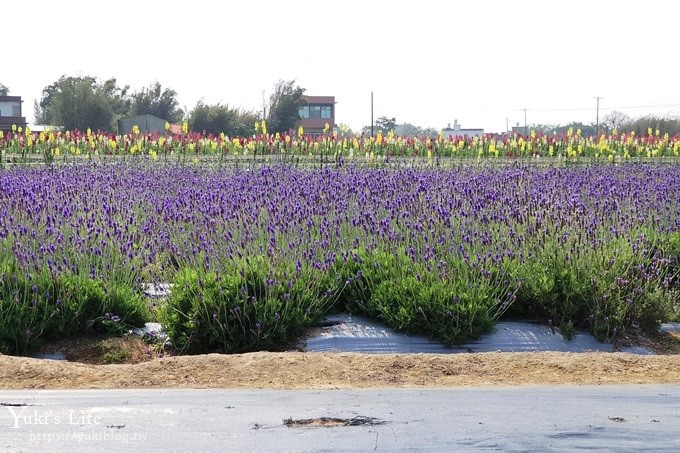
x,y
299,370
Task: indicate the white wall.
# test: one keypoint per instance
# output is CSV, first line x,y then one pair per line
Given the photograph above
x,y
463,132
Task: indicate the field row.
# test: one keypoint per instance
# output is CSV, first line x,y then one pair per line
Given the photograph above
x,y
50,146
258,255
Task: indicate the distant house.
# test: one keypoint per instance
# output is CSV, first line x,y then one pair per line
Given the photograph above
x,y
175,129
456,131
37,128
10,112
521,130
146,123
318,111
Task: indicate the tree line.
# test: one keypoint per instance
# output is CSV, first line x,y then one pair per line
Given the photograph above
x,y
86,102
618,122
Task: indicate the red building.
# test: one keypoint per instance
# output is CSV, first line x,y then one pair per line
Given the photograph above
x,y
318,111
10,112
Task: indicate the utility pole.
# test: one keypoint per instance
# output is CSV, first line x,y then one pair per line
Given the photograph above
x,y
371,114
597,117
507,124
526,131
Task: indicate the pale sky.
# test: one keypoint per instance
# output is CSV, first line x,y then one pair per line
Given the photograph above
x,y
428,62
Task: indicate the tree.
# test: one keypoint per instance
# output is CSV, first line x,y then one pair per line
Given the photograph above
x,y
383,124
411,130
217,118
283,113
81,103
3,90
156,101
614,120
641,126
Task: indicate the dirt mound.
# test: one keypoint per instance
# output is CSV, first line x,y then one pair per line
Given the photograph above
x,y
141,366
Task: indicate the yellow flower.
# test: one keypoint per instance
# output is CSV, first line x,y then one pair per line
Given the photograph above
x,y
185,127
14,127
257,126
492,148
326,127
135,129
167,126
263,126
649,131
301,132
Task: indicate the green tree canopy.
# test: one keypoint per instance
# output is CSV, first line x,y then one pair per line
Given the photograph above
x,y
217,118
156,101
82,102
383,124
411,130
3,90
284,106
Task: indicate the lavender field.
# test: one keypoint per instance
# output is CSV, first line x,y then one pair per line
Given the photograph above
x,y
258,255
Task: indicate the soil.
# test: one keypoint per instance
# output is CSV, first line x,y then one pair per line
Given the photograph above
x,y
129,362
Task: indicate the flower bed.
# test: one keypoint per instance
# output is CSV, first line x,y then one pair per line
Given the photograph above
x,y
257,255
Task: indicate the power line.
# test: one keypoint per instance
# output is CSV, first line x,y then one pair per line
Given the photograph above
x,y
590,109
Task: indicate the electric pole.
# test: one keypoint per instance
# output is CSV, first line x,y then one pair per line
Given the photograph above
x,y
526,131
597,117
371,114
507,124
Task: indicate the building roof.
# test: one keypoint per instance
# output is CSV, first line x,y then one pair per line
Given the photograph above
x,y
10,99
143,115
319,99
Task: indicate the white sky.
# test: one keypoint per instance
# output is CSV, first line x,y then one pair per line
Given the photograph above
x,y
427,62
